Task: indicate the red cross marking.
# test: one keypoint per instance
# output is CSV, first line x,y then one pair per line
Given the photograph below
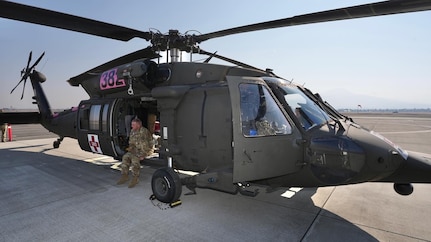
x,y
93,142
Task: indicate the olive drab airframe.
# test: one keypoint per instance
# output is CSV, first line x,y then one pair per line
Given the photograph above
x,y
228,125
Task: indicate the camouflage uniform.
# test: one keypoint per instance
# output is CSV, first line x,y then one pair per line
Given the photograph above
x,y
264,128
140,146
3,131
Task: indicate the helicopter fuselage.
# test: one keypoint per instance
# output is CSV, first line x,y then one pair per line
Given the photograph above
x,y
231,126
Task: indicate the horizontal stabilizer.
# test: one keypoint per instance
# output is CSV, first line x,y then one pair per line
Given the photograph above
x,y
20,117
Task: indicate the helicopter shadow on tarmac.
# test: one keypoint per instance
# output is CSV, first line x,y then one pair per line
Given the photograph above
x,y
49,190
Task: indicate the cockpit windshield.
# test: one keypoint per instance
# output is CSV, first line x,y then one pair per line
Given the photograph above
x,y
308,112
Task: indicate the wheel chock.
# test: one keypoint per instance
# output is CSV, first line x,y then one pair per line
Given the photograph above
x,y
174,204
171,205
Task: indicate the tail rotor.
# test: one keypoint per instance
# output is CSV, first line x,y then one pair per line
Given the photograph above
x,y
26,72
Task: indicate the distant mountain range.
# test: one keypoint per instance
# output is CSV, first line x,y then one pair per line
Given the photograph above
x,y
343,99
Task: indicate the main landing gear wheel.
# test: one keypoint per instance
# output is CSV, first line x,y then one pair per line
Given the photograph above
x,y
166,185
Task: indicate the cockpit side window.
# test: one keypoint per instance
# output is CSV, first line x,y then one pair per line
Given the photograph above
x,y
260,114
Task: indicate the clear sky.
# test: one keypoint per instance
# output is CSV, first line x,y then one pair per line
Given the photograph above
x,y
386,57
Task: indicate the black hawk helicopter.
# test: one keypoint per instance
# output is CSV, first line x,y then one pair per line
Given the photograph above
x,y
233,125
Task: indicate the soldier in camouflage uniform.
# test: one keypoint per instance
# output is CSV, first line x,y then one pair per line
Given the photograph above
x,y
140,146
3,132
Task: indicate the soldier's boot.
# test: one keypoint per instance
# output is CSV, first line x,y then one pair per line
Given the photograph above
x,y
134,181
124,177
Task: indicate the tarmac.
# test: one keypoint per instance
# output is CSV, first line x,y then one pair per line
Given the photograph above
x,y
67,194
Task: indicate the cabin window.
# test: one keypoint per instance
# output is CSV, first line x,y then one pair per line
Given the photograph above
x,y
260,114
95,117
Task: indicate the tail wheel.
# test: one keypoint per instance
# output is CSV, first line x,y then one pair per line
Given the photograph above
x,y
166,185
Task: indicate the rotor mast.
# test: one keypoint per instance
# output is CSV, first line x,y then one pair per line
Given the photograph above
x,y
174,43
175,54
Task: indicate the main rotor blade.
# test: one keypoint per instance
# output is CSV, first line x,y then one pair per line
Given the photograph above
x,y
360,11
147,53
55,19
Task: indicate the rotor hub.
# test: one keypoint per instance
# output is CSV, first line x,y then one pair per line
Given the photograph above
x,y
173,40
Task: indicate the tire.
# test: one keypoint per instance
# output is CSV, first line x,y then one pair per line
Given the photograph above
x,y
166,185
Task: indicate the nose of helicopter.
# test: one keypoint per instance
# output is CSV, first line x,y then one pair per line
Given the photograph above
x,y
387,162
416,168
